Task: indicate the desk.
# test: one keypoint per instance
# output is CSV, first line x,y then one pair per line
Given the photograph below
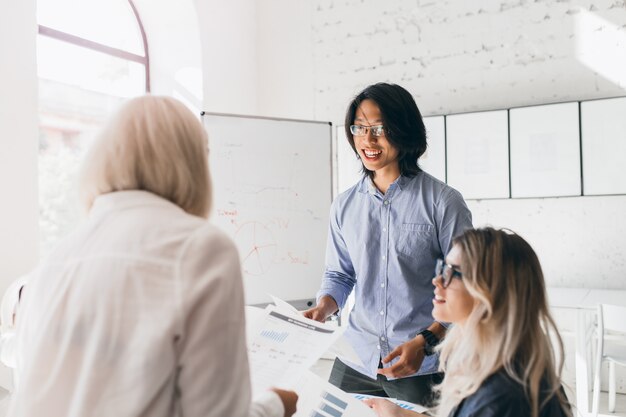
x,y
584,301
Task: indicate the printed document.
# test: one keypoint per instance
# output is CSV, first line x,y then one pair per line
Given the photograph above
x,y
283,344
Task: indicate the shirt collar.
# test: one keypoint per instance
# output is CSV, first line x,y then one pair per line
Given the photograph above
x,y
367,185
402,182
125,199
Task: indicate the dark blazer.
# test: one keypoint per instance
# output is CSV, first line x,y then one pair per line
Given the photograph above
x,y
500,396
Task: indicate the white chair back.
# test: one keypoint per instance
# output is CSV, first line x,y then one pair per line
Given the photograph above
x,y
611,327
613,318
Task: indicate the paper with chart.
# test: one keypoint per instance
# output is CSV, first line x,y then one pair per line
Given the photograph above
x,y
284,344
402,404
318,398
341,348
283,305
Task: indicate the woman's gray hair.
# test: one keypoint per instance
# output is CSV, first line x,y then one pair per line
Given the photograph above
x,y
153,144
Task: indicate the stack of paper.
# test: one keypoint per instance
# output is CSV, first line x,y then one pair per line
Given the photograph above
x,y
282,346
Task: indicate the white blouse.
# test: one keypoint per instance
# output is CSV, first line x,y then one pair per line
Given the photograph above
x,y
138,313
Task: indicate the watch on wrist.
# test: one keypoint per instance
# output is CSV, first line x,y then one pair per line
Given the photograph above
x,y
431,342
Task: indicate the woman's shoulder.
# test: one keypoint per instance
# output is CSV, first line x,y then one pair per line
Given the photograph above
x,y
206,234
496,394
502,396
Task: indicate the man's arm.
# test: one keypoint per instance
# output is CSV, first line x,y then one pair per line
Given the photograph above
x,y
411,354
339,276
452,217
326,307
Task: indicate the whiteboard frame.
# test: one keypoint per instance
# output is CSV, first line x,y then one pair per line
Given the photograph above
x,y
300,303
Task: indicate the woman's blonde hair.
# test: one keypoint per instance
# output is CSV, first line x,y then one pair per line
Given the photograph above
x,y
510,326
153,144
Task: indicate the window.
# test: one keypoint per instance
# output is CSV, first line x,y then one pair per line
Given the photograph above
x,y
91,56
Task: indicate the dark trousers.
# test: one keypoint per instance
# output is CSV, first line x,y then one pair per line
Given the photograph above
x,y
415,389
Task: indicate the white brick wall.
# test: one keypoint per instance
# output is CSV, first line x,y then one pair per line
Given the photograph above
x,y
456,55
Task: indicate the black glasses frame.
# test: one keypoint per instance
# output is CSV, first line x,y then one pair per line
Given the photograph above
x,y
447,272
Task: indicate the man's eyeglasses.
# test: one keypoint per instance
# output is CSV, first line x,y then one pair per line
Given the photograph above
x,y
447,272
358,130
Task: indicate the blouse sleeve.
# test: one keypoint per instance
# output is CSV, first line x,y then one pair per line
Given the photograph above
x,y
213,372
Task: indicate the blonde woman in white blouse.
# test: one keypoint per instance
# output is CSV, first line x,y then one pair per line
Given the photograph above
x,y
140,312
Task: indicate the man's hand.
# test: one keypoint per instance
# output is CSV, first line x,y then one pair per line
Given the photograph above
x,y
411,355
289,399
324,308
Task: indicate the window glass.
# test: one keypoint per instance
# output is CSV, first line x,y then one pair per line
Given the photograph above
x,y
109,22
72,65
79,88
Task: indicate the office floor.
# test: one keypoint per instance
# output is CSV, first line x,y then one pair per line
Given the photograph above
x,y
620,405
323,367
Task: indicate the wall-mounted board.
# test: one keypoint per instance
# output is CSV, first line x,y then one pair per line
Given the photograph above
x,y
272,193
545,151
434,159
603,124
478,154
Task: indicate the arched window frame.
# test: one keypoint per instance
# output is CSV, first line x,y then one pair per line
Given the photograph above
x,y
105,49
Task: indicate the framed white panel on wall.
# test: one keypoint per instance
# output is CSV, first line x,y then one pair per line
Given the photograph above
x,y
545,151
434,159
266,208
349,167
603,125
478,154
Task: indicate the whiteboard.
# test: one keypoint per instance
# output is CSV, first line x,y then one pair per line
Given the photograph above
x,y
603,125
545,151
478,154
434,159
349,166
272,193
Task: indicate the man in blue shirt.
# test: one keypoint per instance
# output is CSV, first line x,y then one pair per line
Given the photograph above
x,y
386,234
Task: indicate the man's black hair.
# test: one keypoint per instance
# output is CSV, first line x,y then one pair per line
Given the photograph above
x,y
402,120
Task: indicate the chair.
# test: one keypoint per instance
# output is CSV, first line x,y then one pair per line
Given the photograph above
x,y
611,327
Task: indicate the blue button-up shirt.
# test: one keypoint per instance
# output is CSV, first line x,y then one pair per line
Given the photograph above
x,y
385,247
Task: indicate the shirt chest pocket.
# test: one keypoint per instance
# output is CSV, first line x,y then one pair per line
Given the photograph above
x,y
414,239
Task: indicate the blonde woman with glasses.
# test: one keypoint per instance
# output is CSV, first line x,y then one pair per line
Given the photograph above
x,y
499,359
140,312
